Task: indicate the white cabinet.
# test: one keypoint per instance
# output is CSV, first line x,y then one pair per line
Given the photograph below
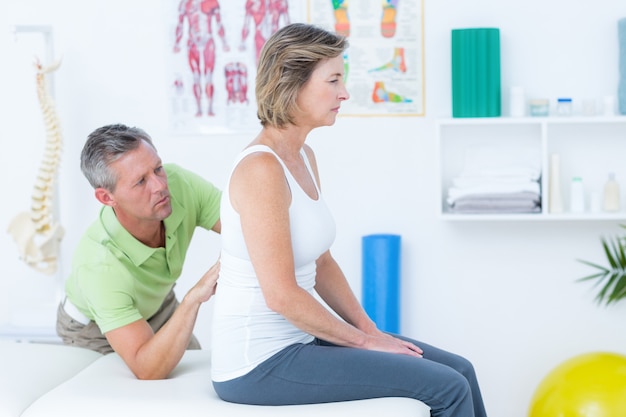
x,y
587,147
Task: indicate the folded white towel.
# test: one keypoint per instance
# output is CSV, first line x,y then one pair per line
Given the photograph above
x,y
523,202
456,193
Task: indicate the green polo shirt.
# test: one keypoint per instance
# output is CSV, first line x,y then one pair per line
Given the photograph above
x,y
117,280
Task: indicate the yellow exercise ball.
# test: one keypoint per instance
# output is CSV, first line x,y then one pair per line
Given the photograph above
x,y
588,385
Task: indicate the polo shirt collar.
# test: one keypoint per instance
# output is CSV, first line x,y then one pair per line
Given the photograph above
x,y
173,221
127,243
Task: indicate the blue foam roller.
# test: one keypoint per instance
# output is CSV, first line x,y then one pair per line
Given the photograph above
x,y
381,280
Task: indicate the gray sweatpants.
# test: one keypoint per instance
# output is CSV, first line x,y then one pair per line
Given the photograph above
x,y
321,372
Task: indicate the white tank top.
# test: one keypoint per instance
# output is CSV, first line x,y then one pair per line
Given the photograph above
x,y
245,331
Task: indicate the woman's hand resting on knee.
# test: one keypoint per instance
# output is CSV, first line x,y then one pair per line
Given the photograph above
x,y
385,342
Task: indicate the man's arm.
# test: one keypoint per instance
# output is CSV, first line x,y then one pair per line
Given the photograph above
x,y
152,355
217,227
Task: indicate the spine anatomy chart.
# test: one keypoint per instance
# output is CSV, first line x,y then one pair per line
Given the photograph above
x,y
36,232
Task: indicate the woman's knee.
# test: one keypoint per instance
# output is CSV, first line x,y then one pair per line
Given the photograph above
x,y
461,365
461,384
466,368
457,393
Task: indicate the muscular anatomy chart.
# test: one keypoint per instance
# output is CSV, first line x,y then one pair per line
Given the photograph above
x,y
384,64
200,16
215,48
267,17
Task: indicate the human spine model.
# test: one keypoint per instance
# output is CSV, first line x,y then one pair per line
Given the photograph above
x,y
36,233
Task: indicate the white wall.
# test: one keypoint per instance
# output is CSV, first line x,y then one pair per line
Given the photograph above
x,y
501,293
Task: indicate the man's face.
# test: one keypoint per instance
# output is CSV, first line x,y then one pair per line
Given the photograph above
x,y
141,194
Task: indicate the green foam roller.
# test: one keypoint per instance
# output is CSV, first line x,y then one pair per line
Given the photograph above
x,y
476,90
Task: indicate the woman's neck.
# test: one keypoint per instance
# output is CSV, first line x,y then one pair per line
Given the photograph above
x,y
286,142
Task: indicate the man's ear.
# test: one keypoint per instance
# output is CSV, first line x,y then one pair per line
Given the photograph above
x,y
104,196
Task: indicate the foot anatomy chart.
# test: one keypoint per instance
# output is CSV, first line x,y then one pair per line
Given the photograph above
x,y
384,64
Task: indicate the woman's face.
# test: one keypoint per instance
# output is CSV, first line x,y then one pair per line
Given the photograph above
x,y
320,98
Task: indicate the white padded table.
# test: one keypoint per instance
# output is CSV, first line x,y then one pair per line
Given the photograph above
x,y
29,370
108,388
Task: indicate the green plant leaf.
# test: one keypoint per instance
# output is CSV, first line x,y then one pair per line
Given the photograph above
x,y
609,247
619,288
611,280
594,265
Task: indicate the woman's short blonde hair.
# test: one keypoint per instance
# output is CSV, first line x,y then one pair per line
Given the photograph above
x,y
286,62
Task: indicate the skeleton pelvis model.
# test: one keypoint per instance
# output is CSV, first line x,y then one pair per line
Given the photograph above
x,y
36,233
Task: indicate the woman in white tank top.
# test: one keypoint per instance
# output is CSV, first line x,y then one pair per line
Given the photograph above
x,y
274,342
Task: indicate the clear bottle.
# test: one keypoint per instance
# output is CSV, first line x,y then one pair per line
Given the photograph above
x,y
564,106
611,194
577,196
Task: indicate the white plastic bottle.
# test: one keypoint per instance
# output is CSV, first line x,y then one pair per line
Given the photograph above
x,y
517,102
555,201
577,196
611,194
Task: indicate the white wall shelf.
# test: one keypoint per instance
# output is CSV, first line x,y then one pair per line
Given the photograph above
x,y
588,146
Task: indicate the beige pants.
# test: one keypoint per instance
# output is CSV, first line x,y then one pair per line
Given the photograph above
x,y
89,336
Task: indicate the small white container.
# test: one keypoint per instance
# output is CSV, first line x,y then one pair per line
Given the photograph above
x,y
517,102
539,107
589,107
608,105
577,196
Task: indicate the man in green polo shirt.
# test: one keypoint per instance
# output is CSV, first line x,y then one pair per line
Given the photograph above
x,y
119,295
